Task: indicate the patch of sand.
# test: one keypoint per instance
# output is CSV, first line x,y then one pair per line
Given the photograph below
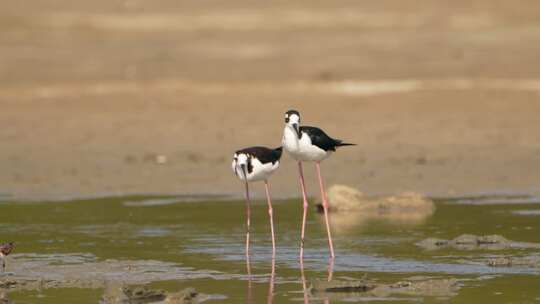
x,y
106,98
350,208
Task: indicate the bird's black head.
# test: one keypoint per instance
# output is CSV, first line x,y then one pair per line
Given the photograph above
x,y
289,114
292,120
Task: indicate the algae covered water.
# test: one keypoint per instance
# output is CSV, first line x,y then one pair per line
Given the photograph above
x,y
81,250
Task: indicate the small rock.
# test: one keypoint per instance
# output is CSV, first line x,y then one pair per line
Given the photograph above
x,y
161,159
130,159
421,160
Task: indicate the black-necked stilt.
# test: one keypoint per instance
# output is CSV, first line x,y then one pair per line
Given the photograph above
x,y
5,250
305,143
256,164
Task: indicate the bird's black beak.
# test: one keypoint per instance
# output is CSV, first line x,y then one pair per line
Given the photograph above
x,y
297,129
243,166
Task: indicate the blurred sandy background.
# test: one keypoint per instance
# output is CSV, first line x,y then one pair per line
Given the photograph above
x,y
115,97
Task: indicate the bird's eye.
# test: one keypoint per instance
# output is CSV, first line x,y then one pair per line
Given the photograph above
x,y
286,119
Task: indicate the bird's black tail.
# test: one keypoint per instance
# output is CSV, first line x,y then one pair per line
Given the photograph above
x,y
278,151
340,143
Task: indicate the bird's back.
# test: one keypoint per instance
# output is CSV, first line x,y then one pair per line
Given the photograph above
x,y
261,162
263,154
319,138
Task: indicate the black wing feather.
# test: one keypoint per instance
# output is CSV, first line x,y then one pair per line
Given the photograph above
x,y
263,154
321,139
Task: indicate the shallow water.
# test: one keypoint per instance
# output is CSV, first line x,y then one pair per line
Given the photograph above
x,y
79,248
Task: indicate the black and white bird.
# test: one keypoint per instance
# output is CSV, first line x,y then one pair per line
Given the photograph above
x,y
5,250
306,143
257,164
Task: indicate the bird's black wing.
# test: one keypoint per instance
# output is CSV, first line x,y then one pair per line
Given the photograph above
x,y
320,139
263,154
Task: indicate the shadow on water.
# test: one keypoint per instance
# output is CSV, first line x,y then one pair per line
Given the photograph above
x,y
69,250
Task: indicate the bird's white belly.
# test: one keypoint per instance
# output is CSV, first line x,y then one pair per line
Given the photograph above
x,y
290,143
259,171
310,152
302,149
262,171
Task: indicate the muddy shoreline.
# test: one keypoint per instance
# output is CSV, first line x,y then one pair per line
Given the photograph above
x,y
153,247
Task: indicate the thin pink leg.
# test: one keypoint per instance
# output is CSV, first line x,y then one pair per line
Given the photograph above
x,y
330,270
325,207
248,215
305,200
270,213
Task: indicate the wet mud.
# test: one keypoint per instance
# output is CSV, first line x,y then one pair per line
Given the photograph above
x,y
118,294
36,272
120,249
474,242
414,286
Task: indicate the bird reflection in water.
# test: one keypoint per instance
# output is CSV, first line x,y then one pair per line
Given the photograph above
x,y
271,285
270,298
303,279
249,297
304,282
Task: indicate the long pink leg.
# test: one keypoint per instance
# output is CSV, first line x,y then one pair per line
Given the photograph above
x,y
330,270
248,215
304,217
270,213
325,207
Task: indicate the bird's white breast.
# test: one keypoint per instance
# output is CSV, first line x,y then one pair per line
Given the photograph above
x,y
290,142
259,170
309,151
302,149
